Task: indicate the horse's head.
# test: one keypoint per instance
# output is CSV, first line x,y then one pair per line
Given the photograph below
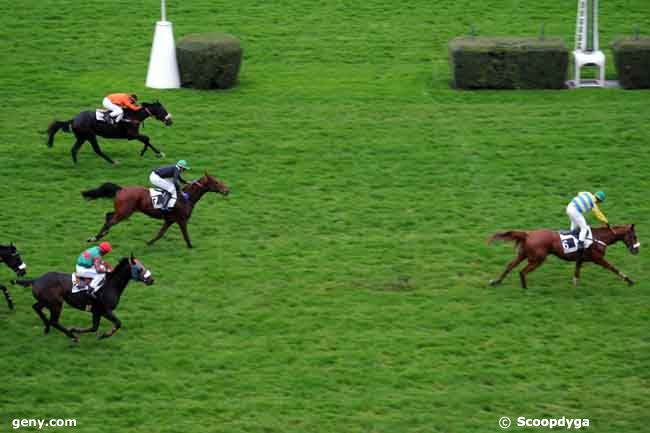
x,y
212,184
12,258
630,239
139,272
157,110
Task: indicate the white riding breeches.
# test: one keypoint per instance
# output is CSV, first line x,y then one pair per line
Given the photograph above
x,y
116,111
163,184
90,273
577,221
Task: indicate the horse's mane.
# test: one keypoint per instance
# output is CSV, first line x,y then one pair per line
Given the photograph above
x,y
7,248
124,261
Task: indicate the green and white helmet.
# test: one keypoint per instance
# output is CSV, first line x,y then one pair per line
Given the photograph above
x,y
600,196
182,164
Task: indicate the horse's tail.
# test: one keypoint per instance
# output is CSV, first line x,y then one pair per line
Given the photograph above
x,y
54,128
105,190
518,237
24,283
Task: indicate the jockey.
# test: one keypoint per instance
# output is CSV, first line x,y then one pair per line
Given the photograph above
x,y
167,178
90,265
580,204
117,101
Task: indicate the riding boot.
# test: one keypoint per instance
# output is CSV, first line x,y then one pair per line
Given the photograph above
x,y
166,197
581,251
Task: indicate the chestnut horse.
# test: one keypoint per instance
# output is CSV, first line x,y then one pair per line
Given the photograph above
x,y
136,198
537,244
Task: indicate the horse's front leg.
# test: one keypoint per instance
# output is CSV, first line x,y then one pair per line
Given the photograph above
x,y
10,301
162,231
144,139
97,317
116,324
183,225
605,264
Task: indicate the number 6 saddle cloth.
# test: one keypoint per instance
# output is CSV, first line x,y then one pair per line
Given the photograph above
x,y
570,240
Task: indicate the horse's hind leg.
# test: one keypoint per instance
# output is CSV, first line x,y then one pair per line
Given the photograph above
x,y
38,307
98,150
105,228
55,313
530,267
520,257
10,301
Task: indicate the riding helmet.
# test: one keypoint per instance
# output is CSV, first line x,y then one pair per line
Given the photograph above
x,y
105,247
182,164
600,196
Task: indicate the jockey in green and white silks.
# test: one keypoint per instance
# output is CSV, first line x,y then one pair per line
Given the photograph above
x,y
583,202
90,265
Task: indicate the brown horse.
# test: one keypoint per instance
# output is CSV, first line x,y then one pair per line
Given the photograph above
x,y
52,288
131,199
537,244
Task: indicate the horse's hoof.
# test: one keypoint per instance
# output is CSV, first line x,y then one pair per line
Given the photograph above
x,y
575,281
630,282
91,239
494,283
46,331
160,154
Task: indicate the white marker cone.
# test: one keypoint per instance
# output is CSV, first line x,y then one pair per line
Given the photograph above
x,y
163,67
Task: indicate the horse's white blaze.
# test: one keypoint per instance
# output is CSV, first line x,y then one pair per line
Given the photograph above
x,y
22,266
637,245
168,116
147,274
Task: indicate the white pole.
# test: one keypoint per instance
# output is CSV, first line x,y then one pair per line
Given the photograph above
x,y
163,68
595,43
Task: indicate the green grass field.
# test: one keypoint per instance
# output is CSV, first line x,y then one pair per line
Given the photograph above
x,y
342,286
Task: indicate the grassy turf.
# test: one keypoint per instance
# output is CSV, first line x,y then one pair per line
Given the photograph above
x,y
342,285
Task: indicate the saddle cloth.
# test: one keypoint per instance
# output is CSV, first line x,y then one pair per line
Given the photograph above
x,y
96,283
101,115
570,240
156,198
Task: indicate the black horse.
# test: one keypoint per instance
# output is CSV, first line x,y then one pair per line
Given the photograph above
x,y
52,288
9,255
85,126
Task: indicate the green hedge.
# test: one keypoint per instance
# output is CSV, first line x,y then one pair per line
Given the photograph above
x,y
508,63
209,60
632,58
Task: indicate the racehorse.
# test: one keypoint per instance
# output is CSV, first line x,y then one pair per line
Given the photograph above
x,y
537,244
10,256
85,126
52,288
131,199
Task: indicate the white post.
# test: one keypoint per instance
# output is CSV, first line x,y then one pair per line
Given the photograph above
x,y
587,48
163,67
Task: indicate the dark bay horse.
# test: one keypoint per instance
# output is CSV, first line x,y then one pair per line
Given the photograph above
x,y
137,199
86,127
52,288
10,256
537,244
